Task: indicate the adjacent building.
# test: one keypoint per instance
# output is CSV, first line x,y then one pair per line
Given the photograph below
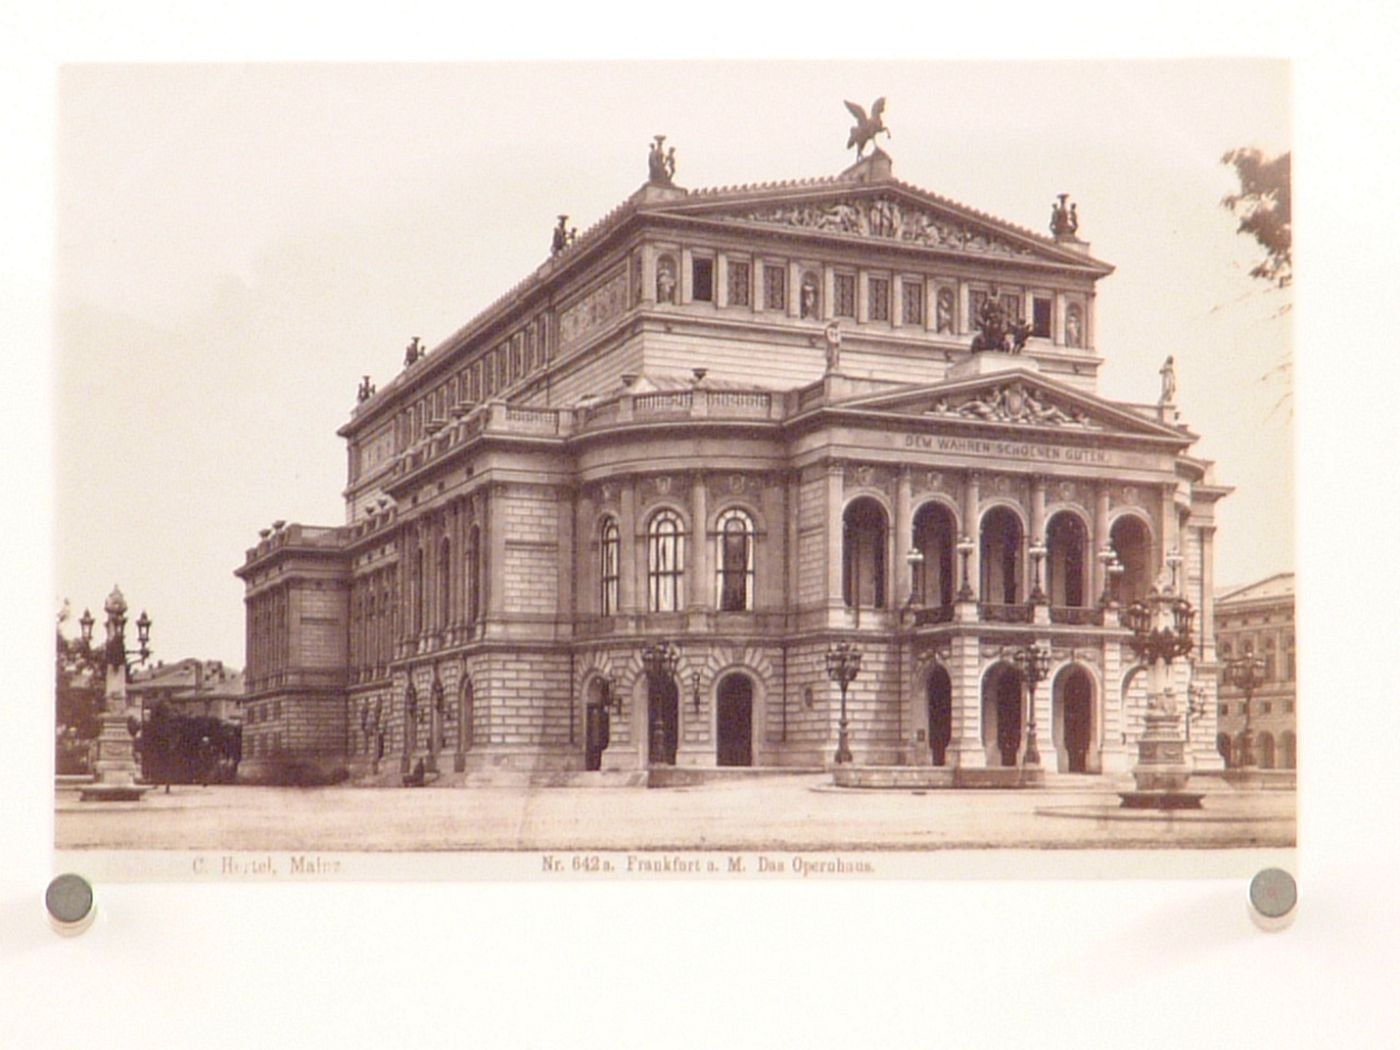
x,y
749,423
191,687
1258,620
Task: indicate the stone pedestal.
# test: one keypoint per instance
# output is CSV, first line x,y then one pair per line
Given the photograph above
x,y
116,767
1162,769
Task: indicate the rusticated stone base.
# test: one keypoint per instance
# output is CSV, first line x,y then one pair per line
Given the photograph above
x,y
853,776
112,793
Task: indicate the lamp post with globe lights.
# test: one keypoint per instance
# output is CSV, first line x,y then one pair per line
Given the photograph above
x,y
115,767
842,667
1033,661
1161,632
1246,673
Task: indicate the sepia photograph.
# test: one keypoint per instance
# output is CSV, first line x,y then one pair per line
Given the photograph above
x,y
675,469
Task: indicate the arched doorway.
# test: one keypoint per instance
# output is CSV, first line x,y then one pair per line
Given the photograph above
x,y
935,537
596,724
1288,750
1066,540
1264,750
663,720
1222,744
940,714
1132,545
1001,557
734,721
865,536
1073,699
1001,714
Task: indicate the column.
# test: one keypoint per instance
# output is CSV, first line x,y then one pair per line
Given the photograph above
x,y
903,537
496,545
834,535
628,556
702,582
1098,539
1038,574
565,556
1168,531
965,749
972,499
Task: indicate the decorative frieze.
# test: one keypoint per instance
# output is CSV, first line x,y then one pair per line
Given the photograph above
x,y
594,310
887,219
1013,403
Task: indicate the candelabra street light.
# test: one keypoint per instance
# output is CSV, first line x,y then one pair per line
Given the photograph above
x,y
1246,673
660,661
116,754
842,667
1033,661
1161,632
965,548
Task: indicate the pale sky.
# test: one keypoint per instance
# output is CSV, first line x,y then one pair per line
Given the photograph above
x,y
237,245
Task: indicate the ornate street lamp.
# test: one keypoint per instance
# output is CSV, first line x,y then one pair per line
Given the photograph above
x,y
915,559
1246,673
842,667
695,690
966,545
116,753
1038,552
660,661
1033,661
1161,632
1107,558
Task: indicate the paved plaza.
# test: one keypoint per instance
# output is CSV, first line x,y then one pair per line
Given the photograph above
x,y
779,812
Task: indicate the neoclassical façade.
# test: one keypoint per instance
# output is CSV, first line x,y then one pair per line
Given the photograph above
x,y
749,423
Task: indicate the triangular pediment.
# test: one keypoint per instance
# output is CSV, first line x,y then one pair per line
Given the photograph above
x,y
888,211
1018,398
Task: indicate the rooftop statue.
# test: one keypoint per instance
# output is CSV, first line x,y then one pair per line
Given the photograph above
x,y
563,236
866,128
991,326
1064,220
661,162
413,352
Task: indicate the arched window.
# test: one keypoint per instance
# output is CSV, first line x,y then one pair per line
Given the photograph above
x,y
609,557
473,574
1288,750
734,561
935,537
665,563
1066,540
1222,744
864,540
1001,557
1132,545
1264,751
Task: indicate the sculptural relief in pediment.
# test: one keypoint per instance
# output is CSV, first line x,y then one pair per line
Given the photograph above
x,y
886,218
1013,403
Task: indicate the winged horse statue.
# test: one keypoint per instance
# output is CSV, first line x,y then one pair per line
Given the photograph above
x,y
866,128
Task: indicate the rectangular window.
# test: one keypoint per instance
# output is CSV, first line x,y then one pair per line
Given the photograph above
x,y
775,287
879,299
1244,708
845,290
1041,320
1011,305
1288,706
1268,707
1224,709
702,280
738,283
913,297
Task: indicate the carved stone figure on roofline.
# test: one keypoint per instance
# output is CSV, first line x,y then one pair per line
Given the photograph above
x,y
1064,219
661,162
